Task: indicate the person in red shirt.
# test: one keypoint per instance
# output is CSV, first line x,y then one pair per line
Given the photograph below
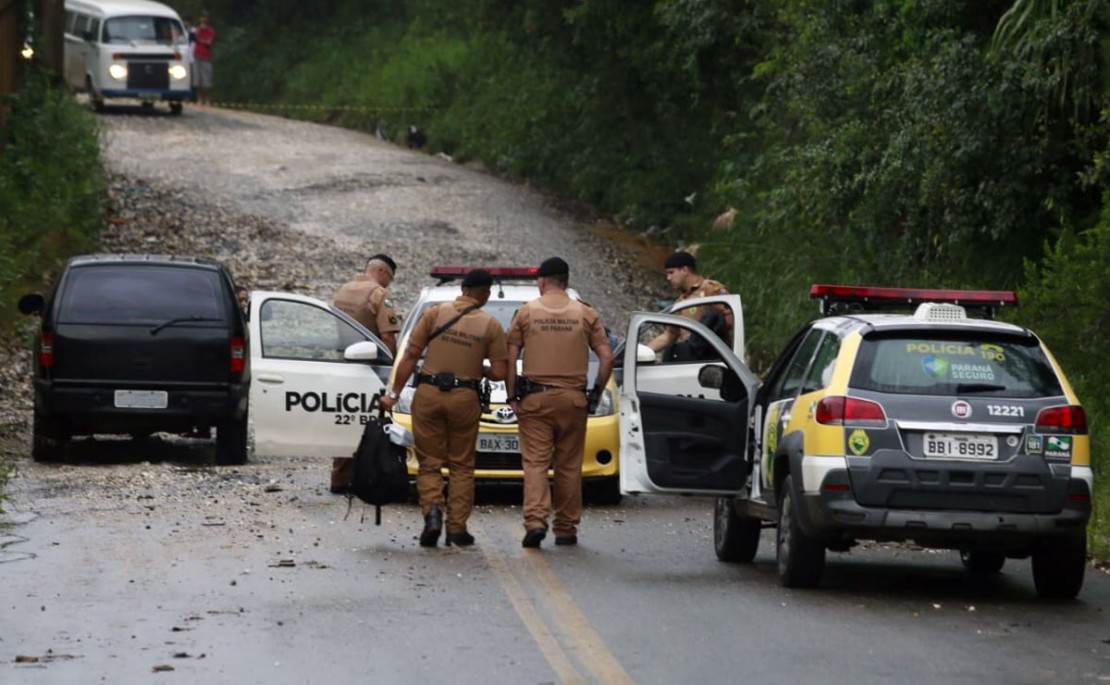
x,y
202,60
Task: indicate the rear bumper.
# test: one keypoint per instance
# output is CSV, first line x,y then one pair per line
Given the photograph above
x,y
832,513
173,95
90,408
599,461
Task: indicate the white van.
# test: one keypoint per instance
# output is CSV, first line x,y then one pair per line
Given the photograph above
x,y
128,49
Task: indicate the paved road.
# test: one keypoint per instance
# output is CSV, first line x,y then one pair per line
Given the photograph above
x,y
258,575
138,558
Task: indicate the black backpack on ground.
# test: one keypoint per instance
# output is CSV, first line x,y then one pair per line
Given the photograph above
x,y
380,474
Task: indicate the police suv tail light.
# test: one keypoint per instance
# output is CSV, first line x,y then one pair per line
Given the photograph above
x,y
238,355
838,410
1066,419
46,350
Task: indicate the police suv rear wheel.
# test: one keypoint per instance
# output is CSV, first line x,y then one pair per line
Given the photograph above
x,y
801,560
1058,567
735,536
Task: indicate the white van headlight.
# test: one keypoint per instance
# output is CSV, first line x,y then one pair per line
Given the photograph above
x,y
178,72
118,71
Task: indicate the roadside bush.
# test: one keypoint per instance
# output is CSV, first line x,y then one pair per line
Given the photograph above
x,y
51,188
1065,300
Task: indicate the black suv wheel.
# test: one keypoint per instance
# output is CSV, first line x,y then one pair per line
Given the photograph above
x,y
231,442
48,440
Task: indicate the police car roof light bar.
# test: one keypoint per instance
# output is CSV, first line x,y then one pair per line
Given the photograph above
x,y
836,298
446,274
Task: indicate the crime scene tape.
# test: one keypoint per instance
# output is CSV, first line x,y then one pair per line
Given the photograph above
x,y
368,109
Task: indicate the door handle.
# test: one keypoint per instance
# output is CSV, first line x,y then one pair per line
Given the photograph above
x,y
270,378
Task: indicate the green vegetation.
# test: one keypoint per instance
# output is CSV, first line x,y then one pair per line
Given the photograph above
x,y
50,191
941,143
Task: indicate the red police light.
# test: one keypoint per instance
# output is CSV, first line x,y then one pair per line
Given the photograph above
x,y
913,296
448,273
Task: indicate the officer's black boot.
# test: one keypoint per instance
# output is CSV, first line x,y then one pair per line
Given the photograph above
x,y
433,524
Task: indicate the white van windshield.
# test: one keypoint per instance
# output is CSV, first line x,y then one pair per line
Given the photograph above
x,y
143,30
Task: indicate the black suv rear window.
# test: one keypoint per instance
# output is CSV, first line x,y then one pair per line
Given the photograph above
x,y
140,295
950,364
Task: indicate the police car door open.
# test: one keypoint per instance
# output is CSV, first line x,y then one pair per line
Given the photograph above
x,y
689,442
315,374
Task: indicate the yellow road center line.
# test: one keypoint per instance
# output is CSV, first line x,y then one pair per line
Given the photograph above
x,y
525,608
575,632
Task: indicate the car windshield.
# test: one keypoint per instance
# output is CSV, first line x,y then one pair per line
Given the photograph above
x,y
951,364
144,29
141,295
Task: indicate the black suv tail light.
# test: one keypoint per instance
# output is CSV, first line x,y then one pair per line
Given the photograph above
x,y
46,350
1067,419
238,354
838,410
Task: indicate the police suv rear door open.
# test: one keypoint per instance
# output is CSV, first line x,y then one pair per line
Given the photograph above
x,y
677,443
315,373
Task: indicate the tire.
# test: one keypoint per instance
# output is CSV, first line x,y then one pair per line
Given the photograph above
x,y
982,562
1059,566
605,492
735,536
175,108
231,442
48,441
801,560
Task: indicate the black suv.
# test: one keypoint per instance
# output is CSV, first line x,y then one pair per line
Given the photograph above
x,y
138,344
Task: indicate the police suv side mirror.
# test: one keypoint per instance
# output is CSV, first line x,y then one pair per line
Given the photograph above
x,y
711,376
363,351
32,303
644,354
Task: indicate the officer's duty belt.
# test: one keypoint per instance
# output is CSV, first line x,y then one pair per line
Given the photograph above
x,y
526,387
447,381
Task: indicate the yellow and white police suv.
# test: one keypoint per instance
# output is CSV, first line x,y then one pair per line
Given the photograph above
x,y
498,456
315,373
930,425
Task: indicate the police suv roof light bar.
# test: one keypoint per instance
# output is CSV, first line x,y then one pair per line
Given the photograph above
x,y
848,298
446,274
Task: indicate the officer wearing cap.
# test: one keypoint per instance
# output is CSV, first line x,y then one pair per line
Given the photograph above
x,y
551,401
458,337
367,300
682,275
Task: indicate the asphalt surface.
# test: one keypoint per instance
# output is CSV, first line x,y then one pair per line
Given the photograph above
x,y
139,562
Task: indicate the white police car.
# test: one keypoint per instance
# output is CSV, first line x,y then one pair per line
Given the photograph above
x,y
315,372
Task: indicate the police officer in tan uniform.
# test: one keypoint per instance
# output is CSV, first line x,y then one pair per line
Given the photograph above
x,y
366,299
446,409
551,401
682,275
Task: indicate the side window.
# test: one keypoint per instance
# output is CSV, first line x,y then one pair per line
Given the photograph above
x,y
71,19
820,372
790,382
94,28
297,330
81,25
